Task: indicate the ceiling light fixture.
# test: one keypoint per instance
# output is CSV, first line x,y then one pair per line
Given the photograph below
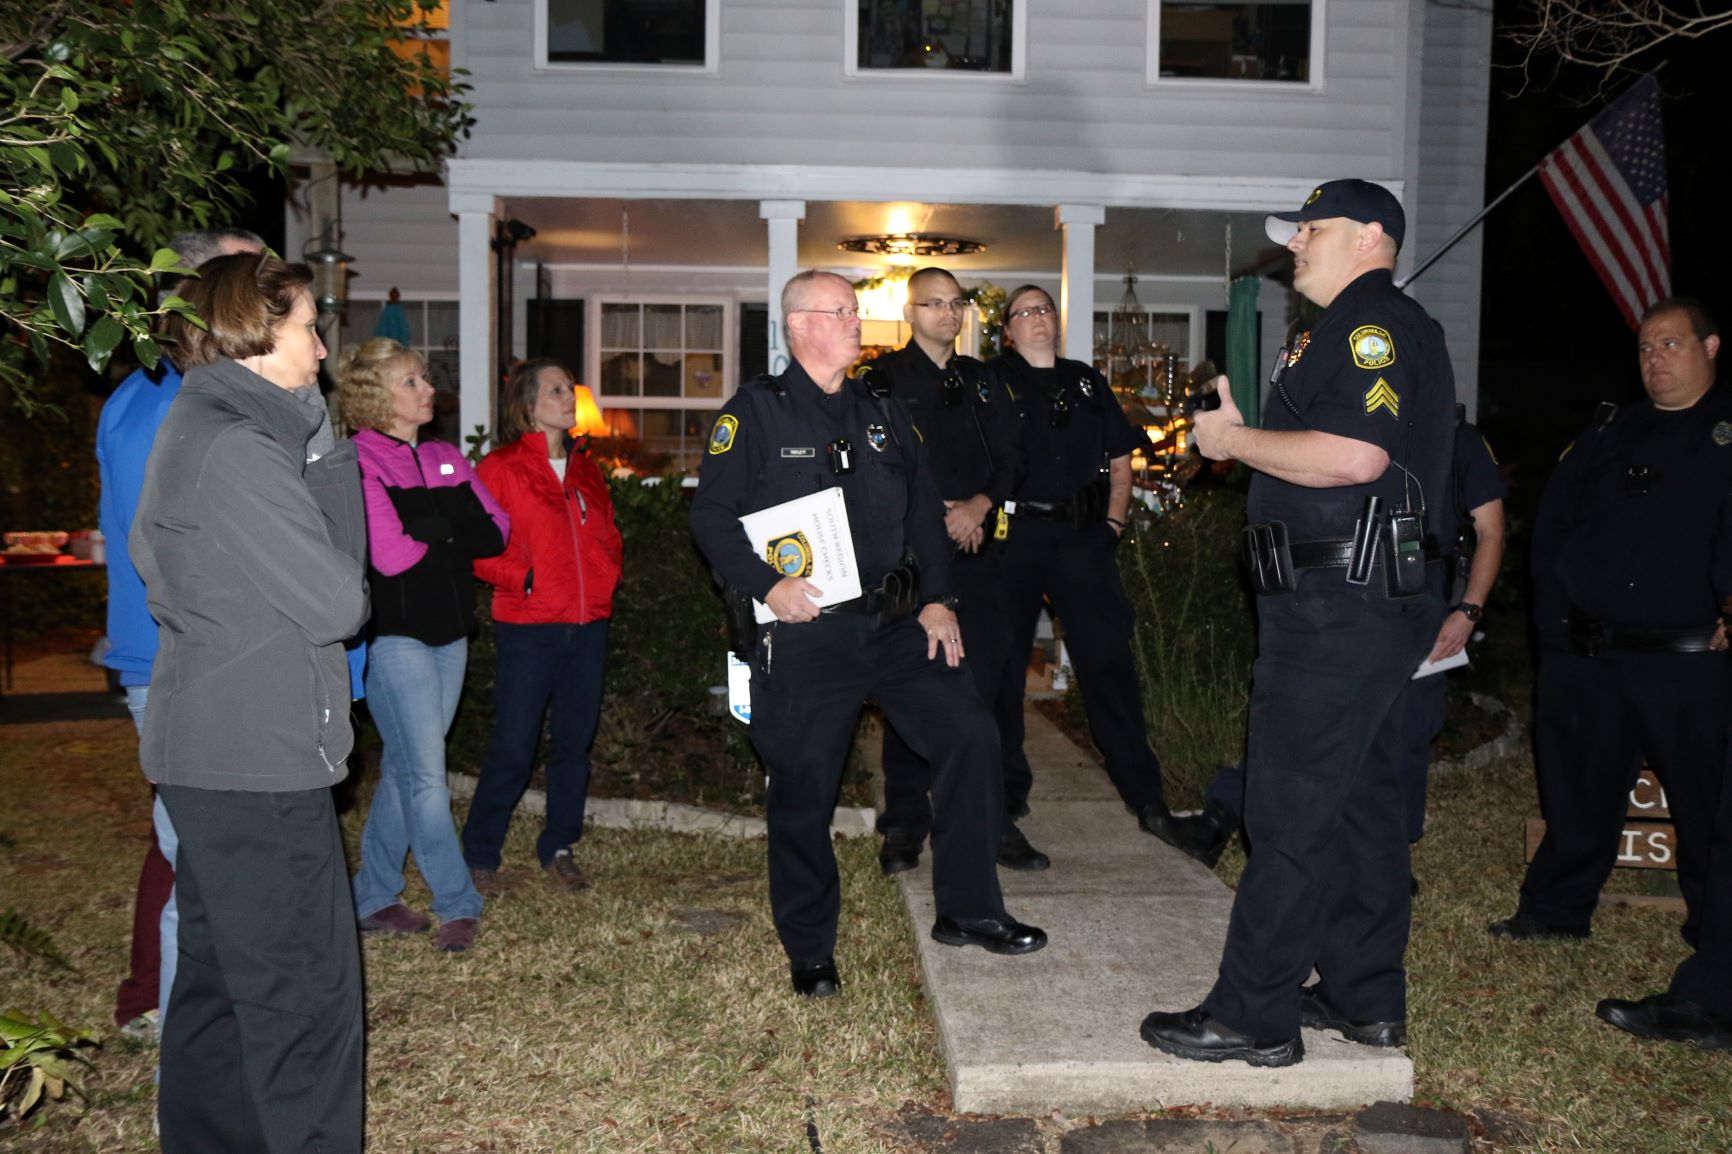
x,y
911,244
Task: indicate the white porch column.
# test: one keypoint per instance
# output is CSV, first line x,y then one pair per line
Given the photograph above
x,y
783,218
1076,303
475,294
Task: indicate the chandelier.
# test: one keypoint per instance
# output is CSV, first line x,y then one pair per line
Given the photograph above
x,y
911,244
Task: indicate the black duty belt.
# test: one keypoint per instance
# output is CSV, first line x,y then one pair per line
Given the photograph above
x,y
1335,553
869,604
1044,510
1589,636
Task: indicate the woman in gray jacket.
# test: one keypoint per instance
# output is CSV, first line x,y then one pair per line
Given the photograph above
x,y
250,538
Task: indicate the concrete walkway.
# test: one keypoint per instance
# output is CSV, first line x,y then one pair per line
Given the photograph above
x,y
1134,926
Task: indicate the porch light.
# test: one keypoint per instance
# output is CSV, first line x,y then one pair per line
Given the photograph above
x,y
330,266
922,244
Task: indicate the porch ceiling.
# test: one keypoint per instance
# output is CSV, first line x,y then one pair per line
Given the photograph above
x,y
722,233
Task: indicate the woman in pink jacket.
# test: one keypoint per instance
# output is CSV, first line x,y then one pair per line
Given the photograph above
x,y
428,519
552,597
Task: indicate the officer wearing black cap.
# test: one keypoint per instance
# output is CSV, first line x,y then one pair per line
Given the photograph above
x,y
1349,469
1067,517
780,438
1632,568
973,441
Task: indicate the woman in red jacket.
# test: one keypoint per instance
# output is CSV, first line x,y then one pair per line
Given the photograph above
x,y
552,597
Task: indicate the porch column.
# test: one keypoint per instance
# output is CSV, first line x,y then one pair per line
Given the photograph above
x,y
1076,295
783,218
476,373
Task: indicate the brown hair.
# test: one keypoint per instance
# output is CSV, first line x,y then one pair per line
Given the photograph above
x,y
365,379
517,402
1701,320
1018,293
241,299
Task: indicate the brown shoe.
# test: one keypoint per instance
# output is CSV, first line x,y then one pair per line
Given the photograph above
x,y
564,872
456,935
397,919
486,882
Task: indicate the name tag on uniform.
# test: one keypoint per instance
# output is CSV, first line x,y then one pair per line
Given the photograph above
x,y
799,454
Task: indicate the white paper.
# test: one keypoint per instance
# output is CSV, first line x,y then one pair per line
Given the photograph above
x,y
807,537
739,689
1427,668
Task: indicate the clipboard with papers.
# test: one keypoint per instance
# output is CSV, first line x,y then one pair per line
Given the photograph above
x,y
807,537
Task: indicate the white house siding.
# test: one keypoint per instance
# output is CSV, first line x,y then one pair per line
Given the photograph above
x,y
780,97
1455,83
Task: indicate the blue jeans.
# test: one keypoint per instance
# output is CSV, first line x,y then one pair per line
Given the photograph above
x,y
538,664
168,928
412,692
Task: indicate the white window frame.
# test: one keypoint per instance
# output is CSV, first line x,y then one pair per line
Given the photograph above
x,y
710,67
851,54
1154,79
592,349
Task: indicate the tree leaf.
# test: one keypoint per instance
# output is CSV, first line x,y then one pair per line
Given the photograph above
x,y
147,352
102,339
67,303
167,260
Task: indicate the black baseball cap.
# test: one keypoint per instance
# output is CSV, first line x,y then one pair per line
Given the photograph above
x,y
1358,200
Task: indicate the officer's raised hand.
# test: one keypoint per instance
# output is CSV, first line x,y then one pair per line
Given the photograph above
x,y
1210,428
792,599
942,630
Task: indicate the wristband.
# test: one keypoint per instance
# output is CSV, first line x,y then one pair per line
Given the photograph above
x,y
1115,521
1470,611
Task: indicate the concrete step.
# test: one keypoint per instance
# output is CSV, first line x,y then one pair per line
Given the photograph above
x,y
1134,926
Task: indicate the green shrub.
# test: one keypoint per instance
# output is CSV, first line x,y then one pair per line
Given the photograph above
x,y
1195,637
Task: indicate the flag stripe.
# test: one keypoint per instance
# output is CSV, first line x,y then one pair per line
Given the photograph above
x,y
1639,240
1610,227
1623,294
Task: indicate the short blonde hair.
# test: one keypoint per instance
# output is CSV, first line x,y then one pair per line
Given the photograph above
x,y
241,298
365,375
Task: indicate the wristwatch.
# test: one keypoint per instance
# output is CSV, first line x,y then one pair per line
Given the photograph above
x,y
949,601
1471,611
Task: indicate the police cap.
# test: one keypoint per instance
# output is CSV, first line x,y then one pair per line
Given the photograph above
x,y
1358,200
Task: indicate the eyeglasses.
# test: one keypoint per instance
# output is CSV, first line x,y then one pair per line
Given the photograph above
x,y
936,305
845,313
1032,311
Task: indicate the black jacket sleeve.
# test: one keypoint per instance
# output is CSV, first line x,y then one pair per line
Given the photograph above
x,y
724,486
1002,424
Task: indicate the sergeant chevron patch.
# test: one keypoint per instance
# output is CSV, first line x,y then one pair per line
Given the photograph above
x,y
1382,396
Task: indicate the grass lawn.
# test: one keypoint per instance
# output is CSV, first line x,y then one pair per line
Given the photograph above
x,y
652,1013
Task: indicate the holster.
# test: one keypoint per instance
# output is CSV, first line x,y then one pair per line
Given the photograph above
x,y
1269,558
1089,505
742,623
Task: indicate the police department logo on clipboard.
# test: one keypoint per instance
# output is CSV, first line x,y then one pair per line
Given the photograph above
x,y
790,555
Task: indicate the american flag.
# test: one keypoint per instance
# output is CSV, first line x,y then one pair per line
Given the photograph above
x,y
1609,181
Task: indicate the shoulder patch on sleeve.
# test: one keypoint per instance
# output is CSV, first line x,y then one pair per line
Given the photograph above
x,y
722,436
1373,347
1382,396
1488,451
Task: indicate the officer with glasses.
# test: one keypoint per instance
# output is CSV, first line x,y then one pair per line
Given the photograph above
x,y
1065,522
809,429
973,441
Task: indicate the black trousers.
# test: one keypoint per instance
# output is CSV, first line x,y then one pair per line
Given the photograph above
x,y
1328,883
979,579
1595,720
1076,570
1705,977
262,1049
808,683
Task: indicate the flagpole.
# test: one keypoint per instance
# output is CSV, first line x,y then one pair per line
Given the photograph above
x,y
1467,228
1480,215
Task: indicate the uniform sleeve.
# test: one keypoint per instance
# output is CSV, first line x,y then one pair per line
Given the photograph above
x,y
1481,482
923,528
267,520
1003,426
1721,562
724,484
1364,388
1553,521
508,569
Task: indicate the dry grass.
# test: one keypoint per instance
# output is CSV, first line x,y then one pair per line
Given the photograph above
x,y
599,1023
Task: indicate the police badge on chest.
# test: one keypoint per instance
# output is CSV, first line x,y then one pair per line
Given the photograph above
x,y
877,436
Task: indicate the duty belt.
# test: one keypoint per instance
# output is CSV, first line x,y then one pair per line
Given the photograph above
x,y
869,604
1044,510
1589,636
1335,553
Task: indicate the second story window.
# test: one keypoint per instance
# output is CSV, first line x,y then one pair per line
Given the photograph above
x,y
1220,40
642,33
936,36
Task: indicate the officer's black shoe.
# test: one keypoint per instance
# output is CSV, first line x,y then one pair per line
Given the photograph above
x,y
900,851
1201,1037
1206,834
815,979
1192,836
1014,852
1003,935
1315,1013
1523,928
1669,1018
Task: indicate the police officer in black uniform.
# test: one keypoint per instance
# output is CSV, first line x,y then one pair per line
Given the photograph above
x,y
1356,443
784,437
973,442
1065,522
1632,566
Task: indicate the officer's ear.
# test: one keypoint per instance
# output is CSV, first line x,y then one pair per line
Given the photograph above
x,y
1712,344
